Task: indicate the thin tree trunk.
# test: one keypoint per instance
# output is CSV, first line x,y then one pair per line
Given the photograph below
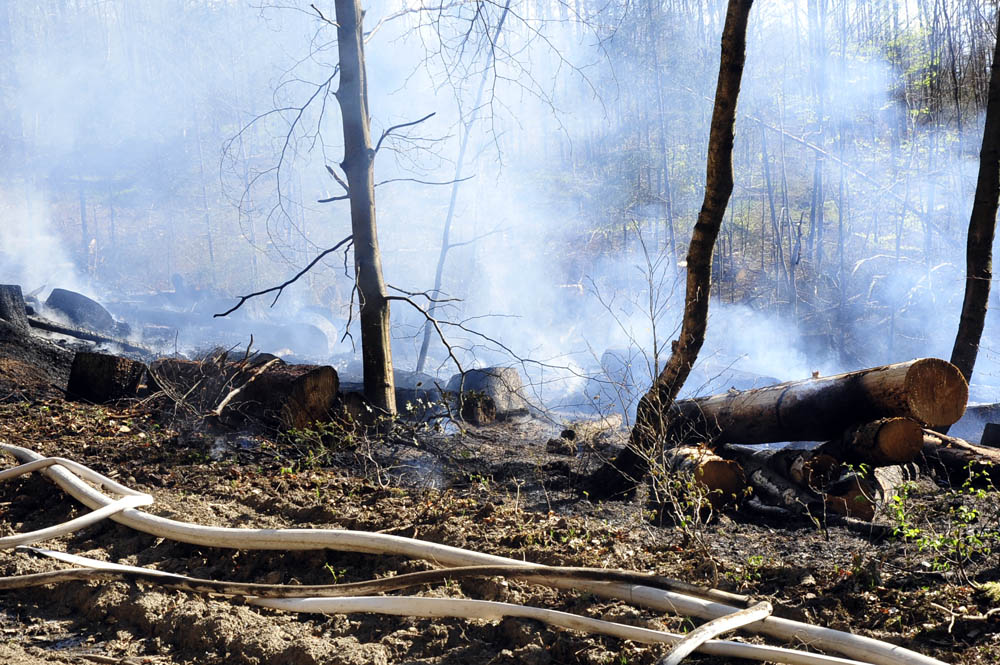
x,y
358,166
446,233
982,226
650,430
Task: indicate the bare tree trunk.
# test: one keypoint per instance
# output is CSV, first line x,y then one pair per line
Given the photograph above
x,y
358,164
651,422
982,226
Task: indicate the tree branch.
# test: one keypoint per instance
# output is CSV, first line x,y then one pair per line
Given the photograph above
x,y
281,287
387,132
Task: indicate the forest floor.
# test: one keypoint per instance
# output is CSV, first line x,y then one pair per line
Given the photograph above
x,y
494,489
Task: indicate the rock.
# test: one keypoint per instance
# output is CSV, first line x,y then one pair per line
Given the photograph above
x,y
501,384
81,310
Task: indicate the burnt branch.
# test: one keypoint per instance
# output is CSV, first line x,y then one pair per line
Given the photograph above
x,y
281,287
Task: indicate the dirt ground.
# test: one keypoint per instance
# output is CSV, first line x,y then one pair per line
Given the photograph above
x,y
494,490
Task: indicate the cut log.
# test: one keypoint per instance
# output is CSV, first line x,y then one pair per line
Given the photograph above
x,y
928,390
502,384
955,458
269,392
880,443
12,306
102,378
722,480
291,396
81,310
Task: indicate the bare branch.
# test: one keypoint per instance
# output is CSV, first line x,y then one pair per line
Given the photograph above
x,y
324,18
340,181
390,130
437,327
281,287
423,182
423,294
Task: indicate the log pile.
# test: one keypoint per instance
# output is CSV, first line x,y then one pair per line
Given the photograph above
x,y
873,426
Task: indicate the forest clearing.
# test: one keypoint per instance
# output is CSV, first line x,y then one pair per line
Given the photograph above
x,y
499,332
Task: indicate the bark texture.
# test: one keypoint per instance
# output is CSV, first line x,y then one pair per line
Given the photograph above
x,y
652,416
982,226
358,166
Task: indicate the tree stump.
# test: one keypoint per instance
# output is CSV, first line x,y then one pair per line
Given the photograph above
x,y
102,378
501,384
267,392
12,306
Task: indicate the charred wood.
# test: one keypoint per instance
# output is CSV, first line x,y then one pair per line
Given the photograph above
x,y
101,378
86,335
263,390
12,308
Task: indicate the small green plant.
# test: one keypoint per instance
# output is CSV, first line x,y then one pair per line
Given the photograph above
x,y
336,574
967,534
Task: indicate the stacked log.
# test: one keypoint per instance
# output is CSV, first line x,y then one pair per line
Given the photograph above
x,y
957,459
928,390
719,481
871,422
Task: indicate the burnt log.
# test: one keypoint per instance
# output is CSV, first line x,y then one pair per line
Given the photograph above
x,y
12,308
102,378
928,390
956,458
267,392
81,310
807,481
880,443
86,335
478,409
720,481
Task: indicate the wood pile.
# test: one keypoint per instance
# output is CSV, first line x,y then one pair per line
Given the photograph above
x,y
873,426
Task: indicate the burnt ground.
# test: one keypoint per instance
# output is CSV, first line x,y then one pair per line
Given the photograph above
x,y
493,489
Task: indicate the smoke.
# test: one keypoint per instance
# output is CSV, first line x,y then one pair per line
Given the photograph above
x,y
180,135
31,251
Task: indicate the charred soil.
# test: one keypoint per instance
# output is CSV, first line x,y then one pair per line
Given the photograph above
x,y
496,490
